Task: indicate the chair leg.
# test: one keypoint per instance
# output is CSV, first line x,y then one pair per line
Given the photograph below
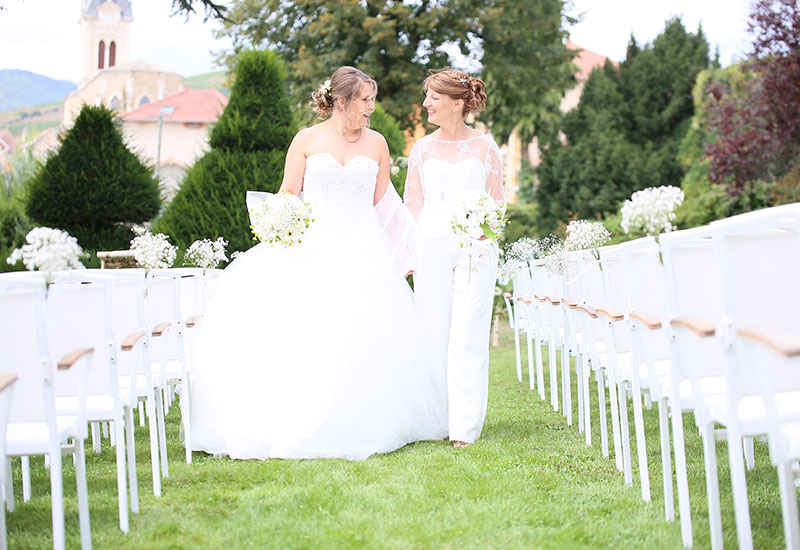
x,y
579,389
154,449
682,478
551,349
539,366
614,408
516,348
106,433
83,495
25,464
9,486
666,460
122,483
529,346
749,453
131,448
57,499
141,414
641,444
96,437
3,538
186,410
791,528
627,467
587,406
741,505
566,383
162,432
712,485
601,407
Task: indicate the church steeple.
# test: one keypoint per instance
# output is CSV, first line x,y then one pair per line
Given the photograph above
x,y
106,34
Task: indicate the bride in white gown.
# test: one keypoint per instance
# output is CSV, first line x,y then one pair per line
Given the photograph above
x,y
308,351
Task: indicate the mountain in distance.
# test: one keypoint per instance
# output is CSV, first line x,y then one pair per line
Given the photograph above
x,y
24,88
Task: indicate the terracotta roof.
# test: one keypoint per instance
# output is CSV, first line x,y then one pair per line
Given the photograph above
x,y
7,140
586,60
188,106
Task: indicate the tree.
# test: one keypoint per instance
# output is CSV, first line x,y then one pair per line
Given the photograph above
x,y
624,134
210,8
94,187
755,116
248,149
396,42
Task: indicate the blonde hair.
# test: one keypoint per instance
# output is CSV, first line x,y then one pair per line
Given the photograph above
x,y
458,85
345,82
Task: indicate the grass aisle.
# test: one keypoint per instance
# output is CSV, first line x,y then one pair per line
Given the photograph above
x,y
530,482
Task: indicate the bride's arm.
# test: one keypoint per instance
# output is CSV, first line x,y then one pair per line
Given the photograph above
x,y
383,172
295,166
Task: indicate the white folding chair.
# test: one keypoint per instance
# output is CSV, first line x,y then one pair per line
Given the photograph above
x,y
34,427
7,381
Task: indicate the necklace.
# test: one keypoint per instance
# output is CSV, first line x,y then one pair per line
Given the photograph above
x,y
344,135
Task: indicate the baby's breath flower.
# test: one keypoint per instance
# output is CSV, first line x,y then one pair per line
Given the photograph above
x,y
582,235
206,254
651,210
48,250
152,251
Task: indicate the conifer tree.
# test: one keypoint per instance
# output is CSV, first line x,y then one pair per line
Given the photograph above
x,y
248,148
94,187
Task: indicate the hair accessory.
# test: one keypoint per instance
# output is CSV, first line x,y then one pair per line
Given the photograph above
x,y
464,80
326,86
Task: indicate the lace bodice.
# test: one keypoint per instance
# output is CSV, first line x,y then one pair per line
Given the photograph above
x,y
439,171
340,195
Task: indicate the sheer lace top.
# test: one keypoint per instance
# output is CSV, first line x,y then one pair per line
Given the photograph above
x,y
340,196
439,171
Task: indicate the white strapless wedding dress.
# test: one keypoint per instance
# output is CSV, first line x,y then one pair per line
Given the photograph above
x,y
312,351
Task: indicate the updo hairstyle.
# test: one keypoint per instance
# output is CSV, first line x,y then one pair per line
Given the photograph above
x,y
345,82
458,85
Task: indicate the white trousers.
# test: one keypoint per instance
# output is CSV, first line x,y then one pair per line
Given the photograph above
x,y
454,293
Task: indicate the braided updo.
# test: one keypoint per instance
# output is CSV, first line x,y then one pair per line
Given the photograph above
x,y
458,85
345,82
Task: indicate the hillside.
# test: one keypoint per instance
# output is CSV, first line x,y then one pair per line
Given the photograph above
x,y
27,89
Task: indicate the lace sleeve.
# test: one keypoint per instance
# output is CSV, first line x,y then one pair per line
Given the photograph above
x,y
493,170
413,195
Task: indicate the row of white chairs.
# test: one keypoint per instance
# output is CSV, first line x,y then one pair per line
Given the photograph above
x,y
703,320
91,348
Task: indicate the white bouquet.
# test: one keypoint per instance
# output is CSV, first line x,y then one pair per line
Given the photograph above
x,y
583,234
478,215
48,250
152,251
206,254
280,218
651,210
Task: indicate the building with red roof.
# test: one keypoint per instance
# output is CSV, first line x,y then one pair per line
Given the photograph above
x,y
173,132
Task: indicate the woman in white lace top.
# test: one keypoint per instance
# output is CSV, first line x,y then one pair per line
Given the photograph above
x,y
454,284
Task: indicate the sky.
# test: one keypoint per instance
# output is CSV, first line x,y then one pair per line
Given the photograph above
x,y
43,36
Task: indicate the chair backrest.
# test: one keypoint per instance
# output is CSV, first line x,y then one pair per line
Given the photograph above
x,y
23,341
759,257
76,317
647,291
163,305
615,292
693,291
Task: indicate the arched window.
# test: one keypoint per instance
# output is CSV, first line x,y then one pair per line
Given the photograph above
x,y
115,103
112,54
144,101
101,55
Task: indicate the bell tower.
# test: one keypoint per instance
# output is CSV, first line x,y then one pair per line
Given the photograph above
x,y
106,34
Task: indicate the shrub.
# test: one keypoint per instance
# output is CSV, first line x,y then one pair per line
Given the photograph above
x,y
386,124
94,186
248,149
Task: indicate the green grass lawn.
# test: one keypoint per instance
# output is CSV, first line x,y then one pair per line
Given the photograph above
x,y
529,482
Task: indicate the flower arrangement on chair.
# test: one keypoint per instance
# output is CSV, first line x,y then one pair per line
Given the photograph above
x,y
206,254
651,210
152,251
48,250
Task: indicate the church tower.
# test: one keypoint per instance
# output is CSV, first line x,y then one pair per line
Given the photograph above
x,y
106,34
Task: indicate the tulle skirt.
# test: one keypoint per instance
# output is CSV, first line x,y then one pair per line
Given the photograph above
x,y
312,351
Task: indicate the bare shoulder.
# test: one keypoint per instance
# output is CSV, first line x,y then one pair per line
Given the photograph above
x,y
376,142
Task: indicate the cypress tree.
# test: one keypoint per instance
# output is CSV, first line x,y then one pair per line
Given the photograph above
x,y
94,187
247,152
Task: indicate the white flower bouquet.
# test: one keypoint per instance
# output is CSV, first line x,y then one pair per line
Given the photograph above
x,y
206,254
651,210
478,215
280,218
152,251
583,235
48,250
